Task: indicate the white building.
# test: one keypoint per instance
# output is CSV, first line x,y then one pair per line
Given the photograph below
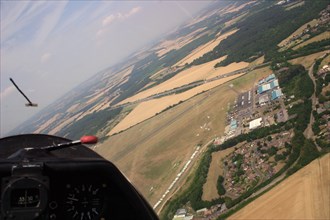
x,y
255,123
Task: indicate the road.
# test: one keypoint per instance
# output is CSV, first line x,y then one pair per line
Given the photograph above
x,y
255,169
309,134
183,177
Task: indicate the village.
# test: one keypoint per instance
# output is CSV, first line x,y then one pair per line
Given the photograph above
x,y
321,125
251,162
262,106
255,162
309,31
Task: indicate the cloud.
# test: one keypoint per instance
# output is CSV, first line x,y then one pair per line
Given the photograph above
x,y
134,11
7,91
100,32
50,22
10,15
108,20
45,57
17,17
120,16
116,17
129,14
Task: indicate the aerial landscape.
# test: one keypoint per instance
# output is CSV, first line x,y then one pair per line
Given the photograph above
x,y
225,117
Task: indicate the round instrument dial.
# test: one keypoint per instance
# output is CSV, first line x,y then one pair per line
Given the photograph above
x,y
84,201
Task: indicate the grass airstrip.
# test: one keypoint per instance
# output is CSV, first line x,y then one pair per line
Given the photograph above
x,y
152,152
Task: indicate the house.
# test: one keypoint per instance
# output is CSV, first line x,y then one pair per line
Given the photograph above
x,y
180,213
325,69
201,211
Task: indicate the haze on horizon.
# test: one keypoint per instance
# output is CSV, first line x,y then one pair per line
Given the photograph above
x,y
50,47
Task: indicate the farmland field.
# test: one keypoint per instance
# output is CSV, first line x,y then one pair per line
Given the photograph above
x,y
167,140
304,195
325,61
298,31
323,36
307,61
150,108
210,187
200,51
193,74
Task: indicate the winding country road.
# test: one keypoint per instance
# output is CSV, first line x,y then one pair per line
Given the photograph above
x,y
309,134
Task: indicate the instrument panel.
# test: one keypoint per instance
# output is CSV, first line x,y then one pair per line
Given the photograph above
x,y
79,190
88,198
71,183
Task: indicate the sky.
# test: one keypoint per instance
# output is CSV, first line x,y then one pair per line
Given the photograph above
x,y
50,47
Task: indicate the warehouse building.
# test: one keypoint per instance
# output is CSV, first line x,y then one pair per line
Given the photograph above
x,y
255,123
276,94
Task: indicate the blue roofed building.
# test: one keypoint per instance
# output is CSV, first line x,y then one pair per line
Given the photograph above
x,y
263,88
276,93
270,77
266,87
274,84
233,124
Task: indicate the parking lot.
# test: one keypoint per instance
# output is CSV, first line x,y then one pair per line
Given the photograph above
x,y
244,100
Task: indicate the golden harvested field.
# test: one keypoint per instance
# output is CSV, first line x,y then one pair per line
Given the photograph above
x,y
237,8
63,124
152,153
298,31
47,123
294,5
323,36
150,108
210,191
226,69
258,61
177,43
304,195
245,83
73,108
157,74
223,11
325,61
193,74
200,51
307,61
234,20
98,98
